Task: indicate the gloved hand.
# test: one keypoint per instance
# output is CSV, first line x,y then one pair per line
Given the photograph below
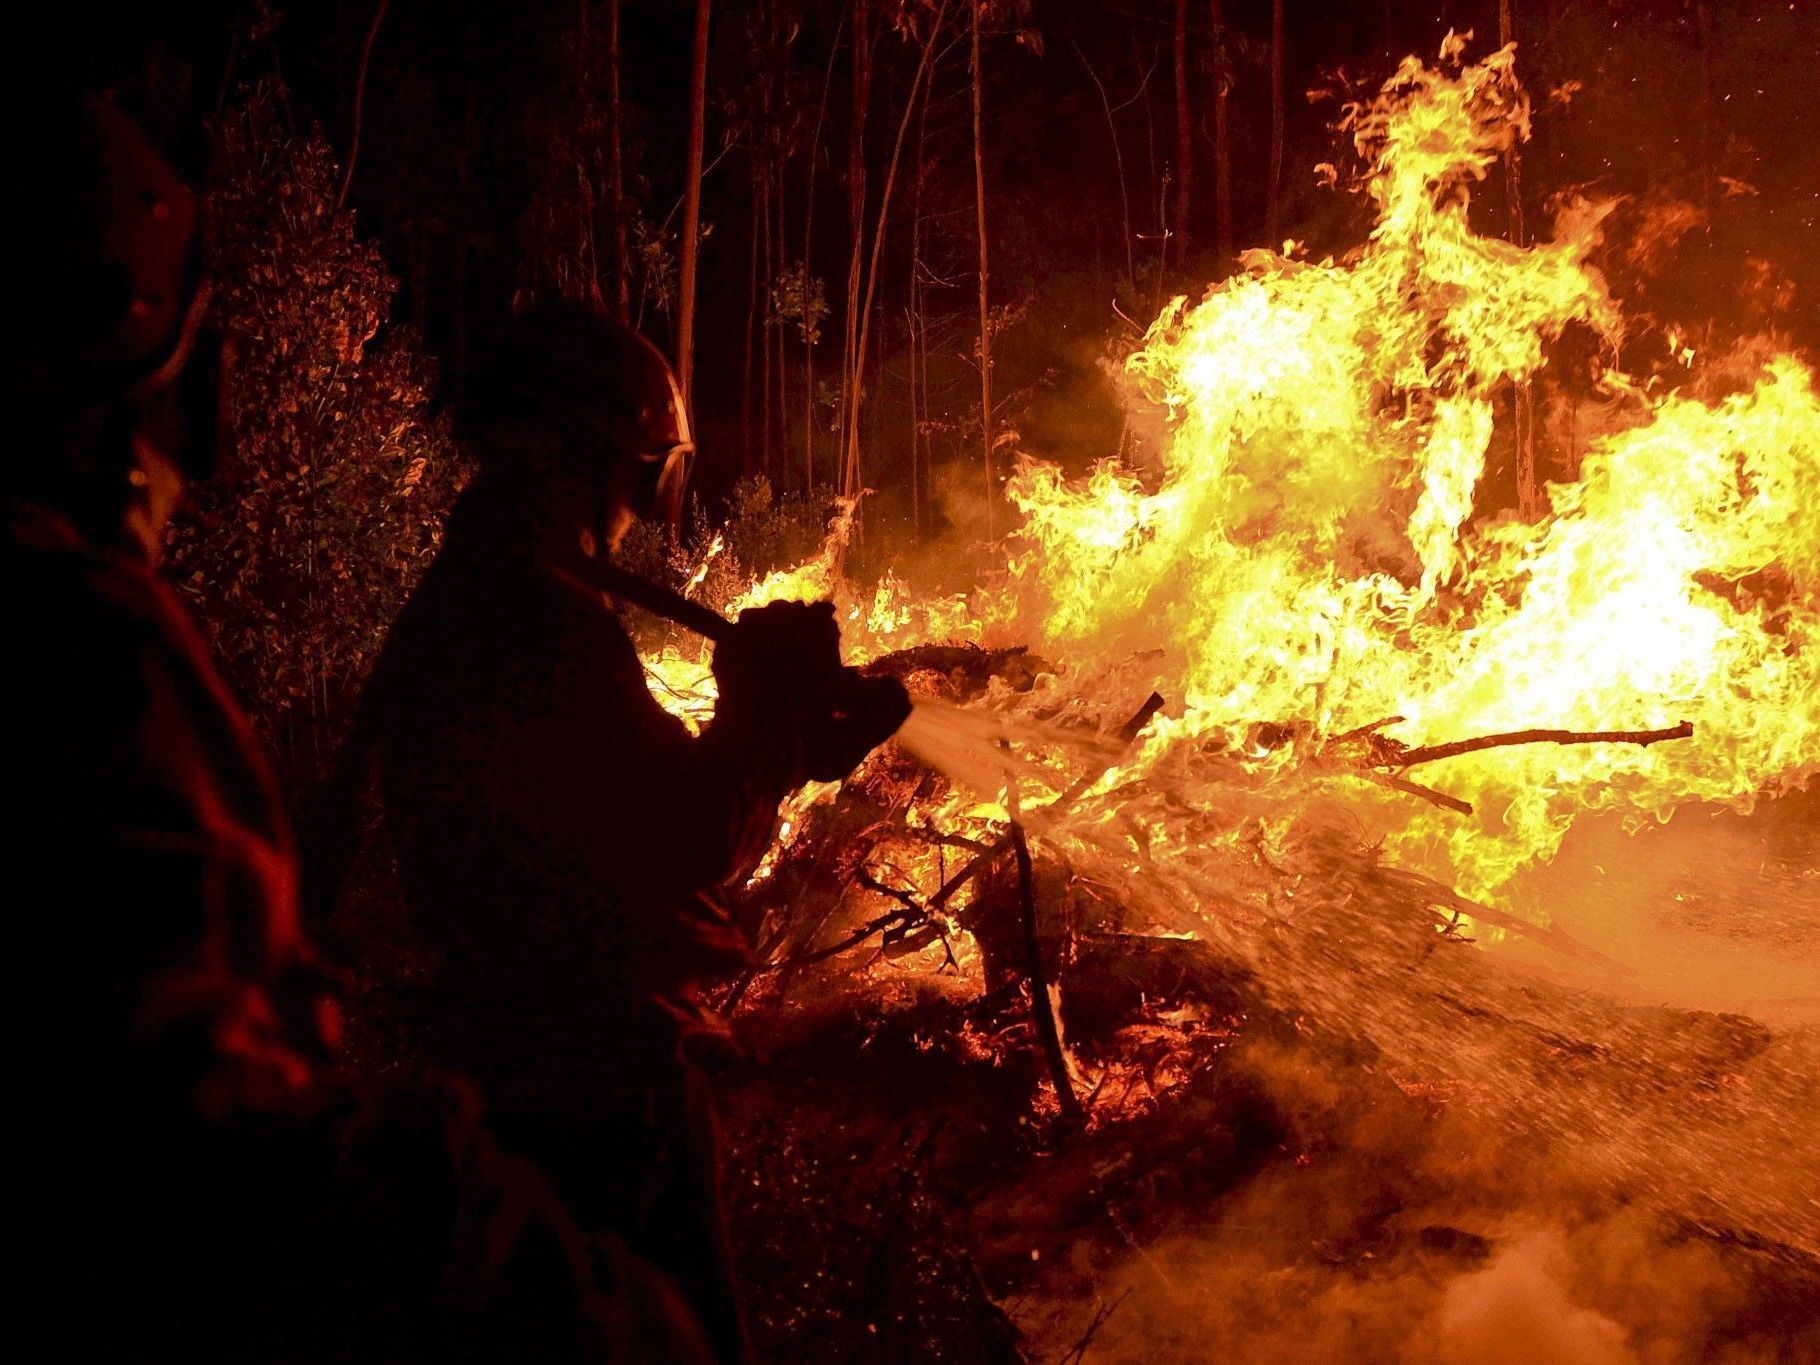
x,y
780,675
776,655
856,716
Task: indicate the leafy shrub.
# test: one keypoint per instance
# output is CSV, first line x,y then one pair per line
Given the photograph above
x,y
337,476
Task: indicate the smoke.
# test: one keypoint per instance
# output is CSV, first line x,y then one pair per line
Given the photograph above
x,y
1516,1311
1389,1234
1710,911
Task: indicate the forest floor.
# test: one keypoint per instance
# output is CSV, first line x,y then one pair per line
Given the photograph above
x,y
1250,1183
901,1192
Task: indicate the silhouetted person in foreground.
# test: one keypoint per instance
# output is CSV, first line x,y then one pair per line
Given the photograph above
x,y
194,1178
560,836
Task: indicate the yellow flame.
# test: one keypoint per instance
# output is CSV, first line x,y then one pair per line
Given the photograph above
x,y
1317,544
1314,546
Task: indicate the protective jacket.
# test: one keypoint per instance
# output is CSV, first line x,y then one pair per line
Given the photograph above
x,y
560,835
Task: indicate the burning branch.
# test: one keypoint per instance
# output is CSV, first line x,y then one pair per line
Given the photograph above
x,y
1429,753
1367,751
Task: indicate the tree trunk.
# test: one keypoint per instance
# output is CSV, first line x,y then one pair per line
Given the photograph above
x,y
1524,399
761,212
780,443
752,322
1222,134
691,224
878,245
360,94
1118,164
821,116
853,359
919,393
979,204
1184,139
1273,208
619,293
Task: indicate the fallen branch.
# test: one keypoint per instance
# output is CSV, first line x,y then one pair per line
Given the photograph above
x,y
1429,753
1041,1006
1416,789
1367,751
1561,941
1105,1310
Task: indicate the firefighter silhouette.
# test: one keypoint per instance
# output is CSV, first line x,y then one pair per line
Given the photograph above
x,y
561,838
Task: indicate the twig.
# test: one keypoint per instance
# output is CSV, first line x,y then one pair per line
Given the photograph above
x,y
1558,939
1416,789
1105,1310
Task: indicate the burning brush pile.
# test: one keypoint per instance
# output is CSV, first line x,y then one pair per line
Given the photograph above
x,y
1282,731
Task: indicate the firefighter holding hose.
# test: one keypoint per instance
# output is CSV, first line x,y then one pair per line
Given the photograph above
x,y
562,838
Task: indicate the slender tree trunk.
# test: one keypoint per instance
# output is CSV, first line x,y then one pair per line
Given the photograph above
x,y
587,253
1709,147
1184,138
1118,163
780,410
1222,134
878,241
1277,111
691,224
1159,179
1513,160
821,115
762,262
979,203
1524,399
360,94
752,286
619,293
915,325
852,356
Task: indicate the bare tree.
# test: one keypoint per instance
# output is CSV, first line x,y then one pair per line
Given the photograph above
x,y
815,140
691,224
360,94
850,483
1118,162
852,358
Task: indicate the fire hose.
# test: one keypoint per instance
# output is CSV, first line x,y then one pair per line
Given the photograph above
x,y
590,571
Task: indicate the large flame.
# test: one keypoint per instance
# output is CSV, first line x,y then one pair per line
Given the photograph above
x,y
1317,544
1319,549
